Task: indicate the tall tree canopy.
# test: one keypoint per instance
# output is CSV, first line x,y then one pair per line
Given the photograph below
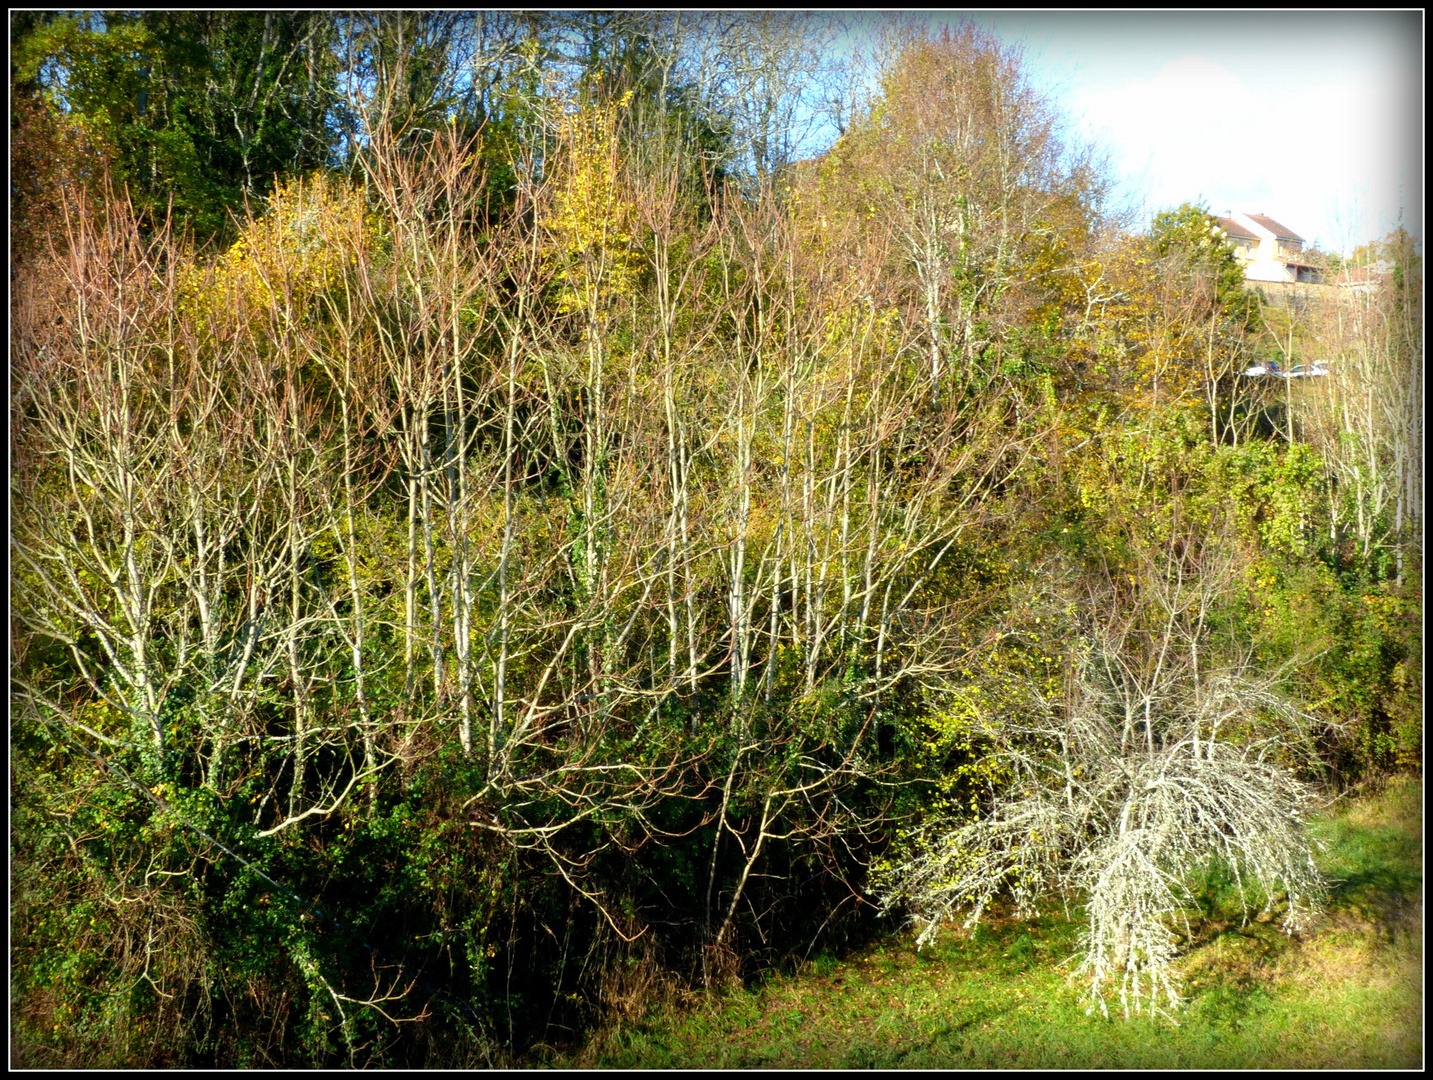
x,y
959,172
201,108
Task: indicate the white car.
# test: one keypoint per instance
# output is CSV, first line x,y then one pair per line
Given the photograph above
x,y
1298,371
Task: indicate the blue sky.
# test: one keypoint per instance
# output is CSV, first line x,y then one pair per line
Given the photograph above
x,y
1314,118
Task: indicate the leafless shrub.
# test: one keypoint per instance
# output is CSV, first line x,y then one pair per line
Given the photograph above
x,y
1126,789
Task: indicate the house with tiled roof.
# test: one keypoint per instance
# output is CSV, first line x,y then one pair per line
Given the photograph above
x,y
1267,250
1364,280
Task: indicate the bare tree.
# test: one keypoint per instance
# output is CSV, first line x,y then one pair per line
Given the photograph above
x,y
766,80
1151,762
1365,416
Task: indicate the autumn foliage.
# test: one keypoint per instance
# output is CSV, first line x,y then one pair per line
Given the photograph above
x,y
521,564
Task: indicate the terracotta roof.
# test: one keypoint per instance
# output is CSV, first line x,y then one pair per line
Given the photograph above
x,y
1363,275
1281,231
1233,228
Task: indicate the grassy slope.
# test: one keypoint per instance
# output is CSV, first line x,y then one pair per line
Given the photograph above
x,y
1349,995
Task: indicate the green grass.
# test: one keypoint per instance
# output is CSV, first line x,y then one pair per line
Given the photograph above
x,y
1349,995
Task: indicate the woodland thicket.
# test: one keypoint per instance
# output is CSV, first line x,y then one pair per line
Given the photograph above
x,y
495,537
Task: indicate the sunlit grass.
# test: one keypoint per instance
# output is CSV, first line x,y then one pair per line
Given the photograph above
x,y
1348,995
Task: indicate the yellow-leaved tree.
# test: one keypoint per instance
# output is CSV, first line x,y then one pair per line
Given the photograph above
x,y
313,229
591,217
